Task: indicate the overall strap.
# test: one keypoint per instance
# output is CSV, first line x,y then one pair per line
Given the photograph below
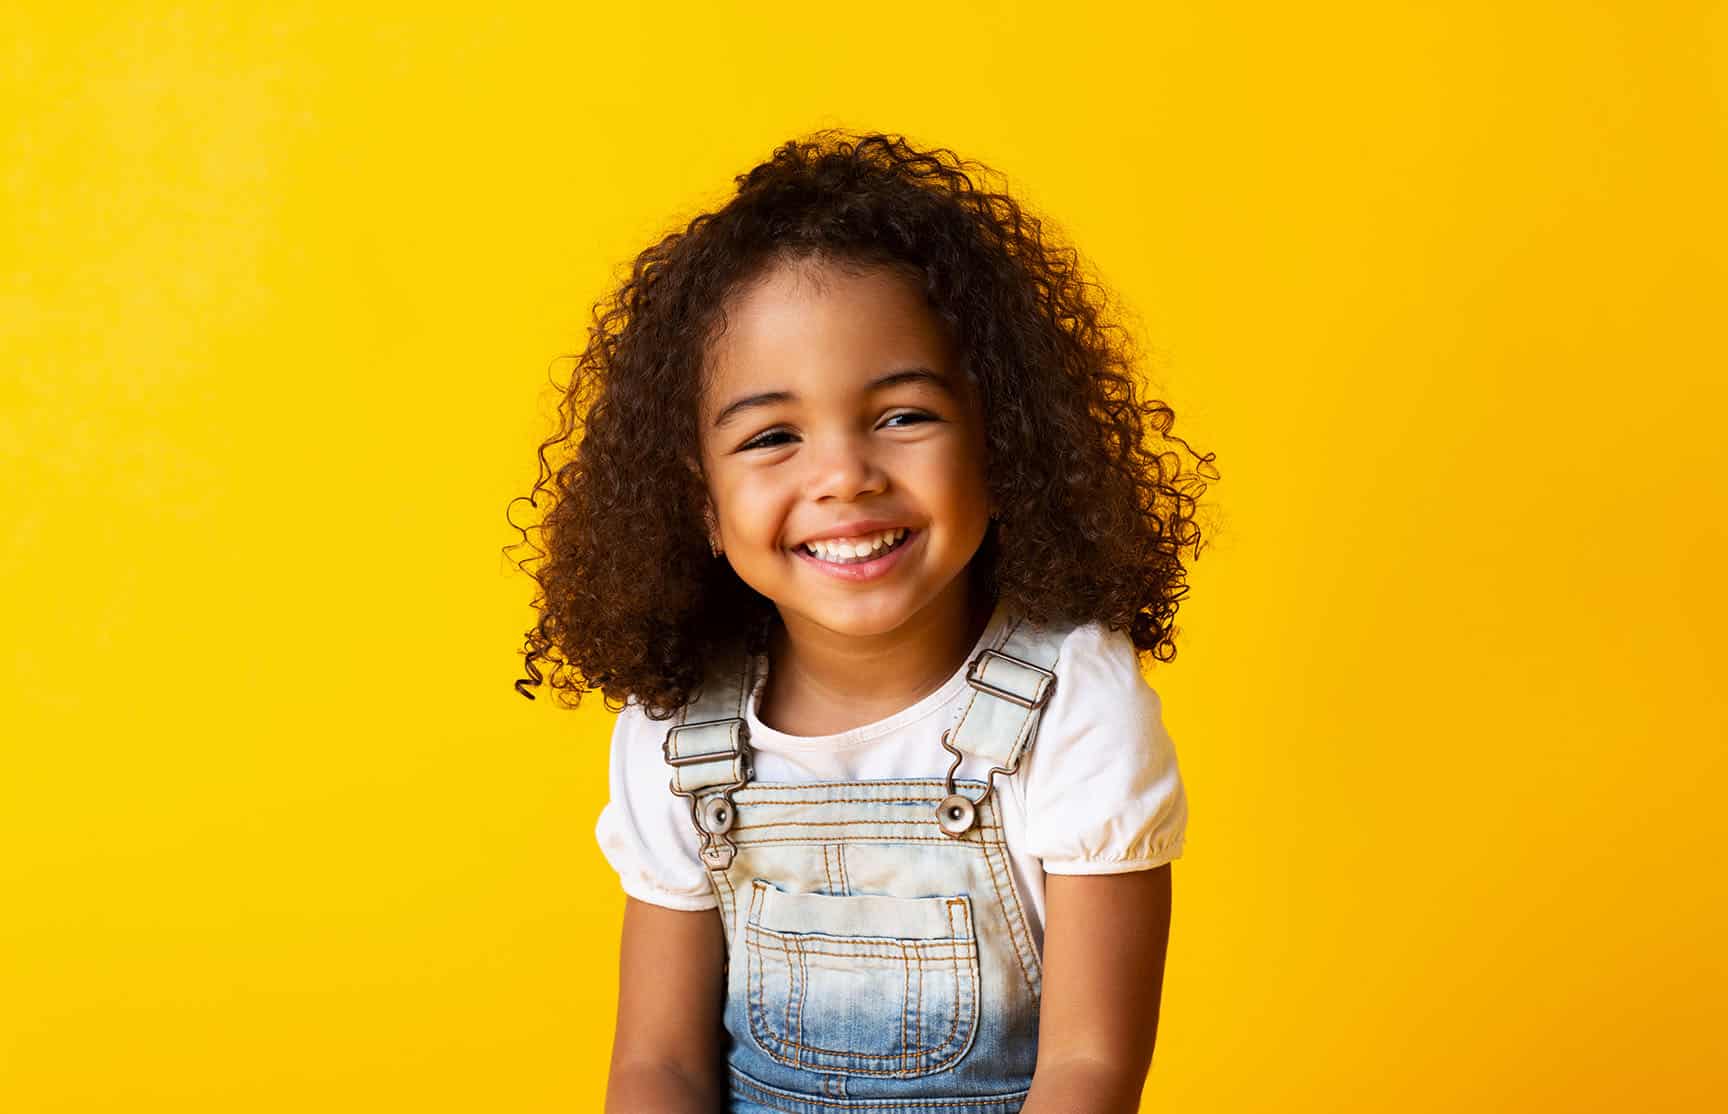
x,y
708,748
1011,682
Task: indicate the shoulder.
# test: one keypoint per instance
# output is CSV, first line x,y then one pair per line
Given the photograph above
x,y
637,761
1100,670
1102,785
645,831
637,753
1098,680
1095,642
631,730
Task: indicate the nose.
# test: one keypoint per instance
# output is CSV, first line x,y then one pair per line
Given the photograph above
x,y
842,468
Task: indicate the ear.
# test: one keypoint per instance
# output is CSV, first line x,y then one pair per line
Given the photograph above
x,y
713,528
709,522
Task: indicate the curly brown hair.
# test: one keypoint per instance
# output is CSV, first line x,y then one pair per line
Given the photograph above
x,y
1095,513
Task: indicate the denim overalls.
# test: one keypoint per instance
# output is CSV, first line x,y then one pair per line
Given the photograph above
x,y
878,955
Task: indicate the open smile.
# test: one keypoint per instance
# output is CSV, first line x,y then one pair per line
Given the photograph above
x,y
856,570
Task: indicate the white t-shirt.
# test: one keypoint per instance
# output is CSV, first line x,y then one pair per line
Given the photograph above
x,y
1099,791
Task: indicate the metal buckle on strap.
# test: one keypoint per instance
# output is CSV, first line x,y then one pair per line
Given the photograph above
x,y
713,823
1044,689
957,813
737,750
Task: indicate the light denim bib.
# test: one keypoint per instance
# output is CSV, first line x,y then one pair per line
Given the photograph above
x,y
878,953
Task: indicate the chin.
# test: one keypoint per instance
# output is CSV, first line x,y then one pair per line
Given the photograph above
x,y
859,619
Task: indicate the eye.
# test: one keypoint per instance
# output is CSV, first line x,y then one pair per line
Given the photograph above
x,y
915,415
762,440
768,440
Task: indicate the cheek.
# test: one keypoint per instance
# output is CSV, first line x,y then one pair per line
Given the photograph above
x,y
753,511
963,478
729,487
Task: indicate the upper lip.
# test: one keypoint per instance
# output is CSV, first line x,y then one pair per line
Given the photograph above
x,y
855,529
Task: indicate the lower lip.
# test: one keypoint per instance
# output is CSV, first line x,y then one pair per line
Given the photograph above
x,y
863,570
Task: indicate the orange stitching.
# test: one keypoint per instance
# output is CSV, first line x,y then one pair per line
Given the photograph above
x,y
953,1025
755,999
929,799
1019,929
885,837
905,1002
766,1098
995,884
958,952
920,1054
858,949
926,956
918,1015
766,787
731,923
803,993
817,935
957,995
791,987
932,949
915,821
967,951
919,821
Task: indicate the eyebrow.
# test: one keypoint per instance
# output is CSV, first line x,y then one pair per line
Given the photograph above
x,y
880,383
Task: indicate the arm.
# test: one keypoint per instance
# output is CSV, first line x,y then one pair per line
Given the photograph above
x,y
1104,945
668,1046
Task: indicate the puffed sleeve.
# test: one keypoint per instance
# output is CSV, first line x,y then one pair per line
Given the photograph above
x,y
644,830
1103,791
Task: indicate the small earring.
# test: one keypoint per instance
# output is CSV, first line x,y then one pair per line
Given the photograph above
x,y
713,534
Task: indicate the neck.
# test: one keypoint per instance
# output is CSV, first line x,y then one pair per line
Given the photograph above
x,y
822,683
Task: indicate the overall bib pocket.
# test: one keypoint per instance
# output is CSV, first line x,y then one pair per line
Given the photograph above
x,y
861,984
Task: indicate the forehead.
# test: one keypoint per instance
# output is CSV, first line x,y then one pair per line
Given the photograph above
x,y
815,329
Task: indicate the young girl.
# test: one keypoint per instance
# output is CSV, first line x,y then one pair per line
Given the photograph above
x,y
864,533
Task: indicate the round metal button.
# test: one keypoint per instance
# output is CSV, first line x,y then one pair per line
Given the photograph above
x,y
717,815
956,814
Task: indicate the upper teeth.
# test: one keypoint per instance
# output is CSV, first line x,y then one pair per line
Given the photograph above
x,y
841,548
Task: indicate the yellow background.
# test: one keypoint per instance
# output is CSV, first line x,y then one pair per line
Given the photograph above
x,y
283,289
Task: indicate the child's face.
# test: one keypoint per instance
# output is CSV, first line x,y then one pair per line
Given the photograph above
x,y
837,451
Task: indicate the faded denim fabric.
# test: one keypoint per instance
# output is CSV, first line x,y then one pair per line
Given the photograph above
x,y
873,957
875,962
